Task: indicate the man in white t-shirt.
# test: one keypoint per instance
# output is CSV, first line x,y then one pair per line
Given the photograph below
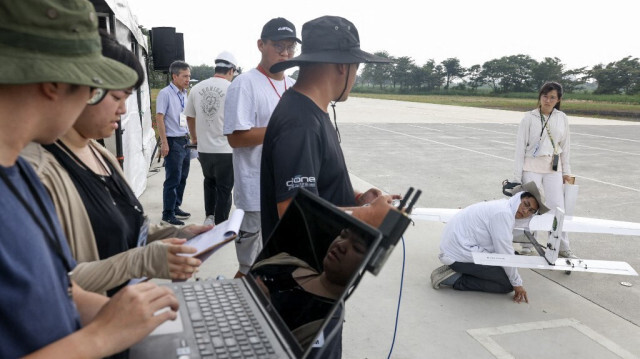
x,y
251,99
205,116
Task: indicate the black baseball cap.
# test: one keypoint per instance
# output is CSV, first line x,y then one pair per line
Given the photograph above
x,y
330,39
279,29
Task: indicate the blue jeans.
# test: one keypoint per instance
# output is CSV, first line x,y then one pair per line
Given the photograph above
x,y
176,169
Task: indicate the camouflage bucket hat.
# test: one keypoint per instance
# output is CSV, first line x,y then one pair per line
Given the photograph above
x,y
56,41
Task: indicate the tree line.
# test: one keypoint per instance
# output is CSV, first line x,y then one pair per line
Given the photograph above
x,y
516,73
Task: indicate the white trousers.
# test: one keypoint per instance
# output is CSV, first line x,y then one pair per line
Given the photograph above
x,y
550,185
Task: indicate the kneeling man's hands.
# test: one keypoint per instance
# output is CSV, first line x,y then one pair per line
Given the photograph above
x,y
520,295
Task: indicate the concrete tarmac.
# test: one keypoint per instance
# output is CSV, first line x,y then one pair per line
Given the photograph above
x,y
459,156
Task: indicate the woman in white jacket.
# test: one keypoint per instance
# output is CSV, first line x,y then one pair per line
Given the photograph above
x,y
542,151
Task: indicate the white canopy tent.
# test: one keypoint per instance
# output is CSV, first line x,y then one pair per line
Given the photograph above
x,y
138,136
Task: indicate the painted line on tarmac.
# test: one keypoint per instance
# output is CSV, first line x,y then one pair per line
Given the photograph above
x,y
483,336
436,142
483,129
607,137
609,183
604,149
488,154
572,133
426,128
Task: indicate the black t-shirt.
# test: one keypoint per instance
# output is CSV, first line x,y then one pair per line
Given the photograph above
x,y
114,211
301,150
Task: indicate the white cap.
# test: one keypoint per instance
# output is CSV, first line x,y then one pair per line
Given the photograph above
x,y
228,57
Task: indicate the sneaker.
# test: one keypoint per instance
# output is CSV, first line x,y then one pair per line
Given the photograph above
x,y
180,214
209,221
567,254
172,220
527,251
440,274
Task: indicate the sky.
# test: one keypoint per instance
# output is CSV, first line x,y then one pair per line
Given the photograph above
x,y
581,33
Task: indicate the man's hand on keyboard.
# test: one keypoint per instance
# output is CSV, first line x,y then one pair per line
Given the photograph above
x,y
130,315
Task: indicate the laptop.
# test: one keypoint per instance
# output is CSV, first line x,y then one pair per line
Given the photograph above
x,y
284,307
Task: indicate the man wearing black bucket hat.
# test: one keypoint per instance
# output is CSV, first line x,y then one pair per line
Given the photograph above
x,y
250,100
301,148
51,68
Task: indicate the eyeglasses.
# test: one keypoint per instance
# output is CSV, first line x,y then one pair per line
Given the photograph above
x,y
97,94
280,47
528,207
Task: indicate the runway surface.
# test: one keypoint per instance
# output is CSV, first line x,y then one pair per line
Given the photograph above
x,y
459,156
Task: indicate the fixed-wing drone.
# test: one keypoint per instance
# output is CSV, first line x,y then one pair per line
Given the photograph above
x,y
548,255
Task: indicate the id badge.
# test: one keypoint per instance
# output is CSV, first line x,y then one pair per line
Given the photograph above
x,y
183,120
144,233
535,150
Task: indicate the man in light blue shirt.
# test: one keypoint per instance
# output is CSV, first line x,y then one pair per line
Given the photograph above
x,y
174,138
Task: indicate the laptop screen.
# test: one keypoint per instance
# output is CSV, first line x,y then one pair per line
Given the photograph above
x,y
310,262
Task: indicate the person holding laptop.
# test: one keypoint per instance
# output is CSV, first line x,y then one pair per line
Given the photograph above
x,y
51,67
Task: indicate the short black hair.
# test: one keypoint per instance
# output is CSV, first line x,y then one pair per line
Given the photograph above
x,y
224,69
529,195
177,66
112,49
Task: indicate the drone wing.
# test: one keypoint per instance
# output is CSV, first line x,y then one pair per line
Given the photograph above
x,y
564,264
586,225
434,214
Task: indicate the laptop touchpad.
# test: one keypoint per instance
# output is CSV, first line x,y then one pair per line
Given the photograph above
x,y
170,326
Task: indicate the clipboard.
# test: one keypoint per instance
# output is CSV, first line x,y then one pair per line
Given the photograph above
x,y
208,242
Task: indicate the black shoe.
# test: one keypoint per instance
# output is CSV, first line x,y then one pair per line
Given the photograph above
x,y
173,220
180,214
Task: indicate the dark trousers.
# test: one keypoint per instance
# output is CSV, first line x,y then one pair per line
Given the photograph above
x,y
217,169
176,169
479,278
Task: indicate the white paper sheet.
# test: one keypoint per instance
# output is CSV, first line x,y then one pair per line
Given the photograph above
x,y
220,234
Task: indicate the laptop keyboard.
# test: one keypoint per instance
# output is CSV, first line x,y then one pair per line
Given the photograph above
x,y
223,323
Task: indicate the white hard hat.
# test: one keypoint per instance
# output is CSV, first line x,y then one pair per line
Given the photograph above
x,y
228,57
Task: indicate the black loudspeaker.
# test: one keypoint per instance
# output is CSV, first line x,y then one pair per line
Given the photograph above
x,y
163,47
179,46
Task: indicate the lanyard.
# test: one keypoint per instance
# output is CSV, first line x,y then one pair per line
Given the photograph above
x,y
51,236
545,122
178,93
123,191
548,129
261,69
